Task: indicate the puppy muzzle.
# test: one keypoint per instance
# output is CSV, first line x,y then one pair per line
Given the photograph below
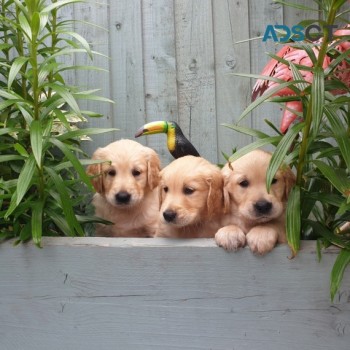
x,y
123,198
169,216
262,208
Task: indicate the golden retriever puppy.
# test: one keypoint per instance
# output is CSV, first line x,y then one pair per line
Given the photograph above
x,y
191,196
254,216
126,189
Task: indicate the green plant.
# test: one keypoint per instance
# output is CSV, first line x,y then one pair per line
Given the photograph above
x,y
318,147
41,175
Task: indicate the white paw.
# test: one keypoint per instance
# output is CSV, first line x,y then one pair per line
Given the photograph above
x,y
230,238
262,240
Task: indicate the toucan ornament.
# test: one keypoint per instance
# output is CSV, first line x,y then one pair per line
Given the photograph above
x,y
178,144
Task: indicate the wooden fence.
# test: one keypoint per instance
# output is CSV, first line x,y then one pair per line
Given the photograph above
x,y
176,60
160,294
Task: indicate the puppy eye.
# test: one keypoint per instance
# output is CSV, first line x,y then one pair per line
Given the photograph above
x,y
244,183
166,189
136,173
274,181
188,190
112,172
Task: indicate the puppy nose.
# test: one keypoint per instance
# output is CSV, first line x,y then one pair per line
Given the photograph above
x,y
123,197
263,207
169,215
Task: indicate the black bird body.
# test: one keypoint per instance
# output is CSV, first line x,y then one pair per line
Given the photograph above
x,y
178,144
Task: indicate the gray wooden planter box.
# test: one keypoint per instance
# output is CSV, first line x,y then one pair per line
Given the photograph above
x,y
105,293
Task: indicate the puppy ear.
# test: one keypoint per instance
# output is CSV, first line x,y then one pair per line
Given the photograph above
x,y
95,171
153,169
289,180
215,194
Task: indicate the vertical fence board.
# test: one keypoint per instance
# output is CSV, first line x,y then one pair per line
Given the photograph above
x,y
262,13
159,68
127,75
232,92
95,13
195,74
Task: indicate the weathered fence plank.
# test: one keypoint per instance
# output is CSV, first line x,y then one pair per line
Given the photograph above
x,y
195,74
173,60
105,293
160,68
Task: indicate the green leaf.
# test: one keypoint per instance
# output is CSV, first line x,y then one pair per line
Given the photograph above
x,y
279,154
81,40
37,222
74,160
10,158
67,208
342,261
339,181
83,132
317,100
246,131
25,178
297,76
266,95
67,96
293,220
59,4
339,133
25,27
21,150
15,68
35,25
253,146
36,140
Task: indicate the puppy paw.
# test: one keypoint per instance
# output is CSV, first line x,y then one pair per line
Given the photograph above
x,y
262,240
230,238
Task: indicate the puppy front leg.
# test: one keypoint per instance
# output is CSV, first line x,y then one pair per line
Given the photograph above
x,y
262,239
230,238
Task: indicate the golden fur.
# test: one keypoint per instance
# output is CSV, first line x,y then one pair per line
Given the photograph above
x,y
126,189
254,216
191,196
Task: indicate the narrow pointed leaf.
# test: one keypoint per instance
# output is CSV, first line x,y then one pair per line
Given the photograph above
x,y
15,68
266,95
342,261
317,93
341,183
246,131
83,132
74,160
293,220
36,140
340,133
25,178
280,152
37,222
253,146
66,203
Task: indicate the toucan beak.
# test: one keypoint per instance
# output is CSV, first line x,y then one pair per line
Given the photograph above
x,y
152,128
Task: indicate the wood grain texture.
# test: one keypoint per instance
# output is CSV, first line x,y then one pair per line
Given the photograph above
x,y
232,92
196,75
174,60
105,293
93,24
127,72
159,68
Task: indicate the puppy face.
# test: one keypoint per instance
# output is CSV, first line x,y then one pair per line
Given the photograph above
x,y
130,171
245,188
191,191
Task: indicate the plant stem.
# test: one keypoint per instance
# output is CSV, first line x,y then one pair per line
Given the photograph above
x,y
308,118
